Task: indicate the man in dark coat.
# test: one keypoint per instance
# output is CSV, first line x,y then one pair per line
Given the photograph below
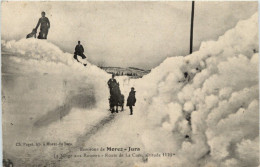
x,y
112,83
45,25
79,50
131,100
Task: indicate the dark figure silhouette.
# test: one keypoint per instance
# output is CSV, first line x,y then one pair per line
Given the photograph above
x,y
111,83
116,98
32,34
79,50
121,102
131,100
115,95
45,25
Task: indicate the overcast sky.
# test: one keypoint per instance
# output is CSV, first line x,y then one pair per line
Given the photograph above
x,y
137,34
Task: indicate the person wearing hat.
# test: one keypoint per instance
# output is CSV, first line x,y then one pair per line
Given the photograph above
x,y
79,50
131,100
45,25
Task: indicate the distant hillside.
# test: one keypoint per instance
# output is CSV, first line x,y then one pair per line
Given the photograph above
x,y
132,72
134,68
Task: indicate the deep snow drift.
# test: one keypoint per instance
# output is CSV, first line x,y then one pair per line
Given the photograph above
x,y
209,118
48,97
221,98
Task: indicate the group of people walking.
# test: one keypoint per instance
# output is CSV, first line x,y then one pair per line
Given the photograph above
x,y
117,99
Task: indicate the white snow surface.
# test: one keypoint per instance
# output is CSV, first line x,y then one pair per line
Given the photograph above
x,y
220,95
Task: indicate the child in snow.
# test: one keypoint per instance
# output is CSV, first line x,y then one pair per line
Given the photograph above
x,y
131,100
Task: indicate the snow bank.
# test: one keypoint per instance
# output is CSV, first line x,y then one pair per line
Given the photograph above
x,y
35,55
54,98
210,117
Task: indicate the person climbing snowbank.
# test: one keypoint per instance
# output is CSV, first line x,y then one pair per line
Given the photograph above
x,y
79,51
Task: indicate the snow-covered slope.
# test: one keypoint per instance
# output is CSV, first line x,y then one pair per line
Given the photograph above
x,y
219,97
48,97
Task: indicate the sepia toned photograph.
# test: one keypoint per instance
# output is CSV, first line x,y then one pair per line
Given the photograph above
x,y
130,83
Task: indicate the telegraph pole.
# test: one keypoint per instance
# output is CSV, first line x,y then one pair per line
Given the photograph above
x,y
191,26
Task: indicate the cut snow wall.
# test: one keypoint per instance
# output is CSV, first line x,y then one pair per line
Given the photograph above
x,y
210,117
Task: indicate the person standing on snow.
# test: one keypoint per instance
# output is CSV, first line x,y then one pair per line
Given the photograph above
x,y
79,50
45,25
131,100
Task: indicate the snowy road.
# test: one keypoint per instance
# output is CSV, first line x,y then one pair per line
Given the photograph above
x,y
121,132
